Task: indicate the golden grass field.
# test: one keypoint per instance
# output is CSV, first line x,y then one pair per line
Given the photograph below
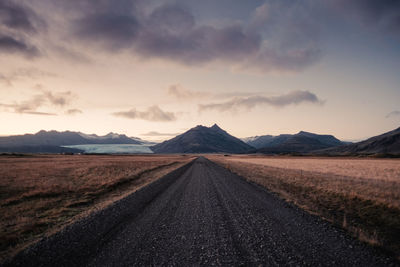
x,y
42,193
361,195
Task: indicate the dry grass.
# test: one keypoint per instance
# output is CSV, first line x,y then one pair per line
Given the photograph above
x,y
360,195
365,168
40,194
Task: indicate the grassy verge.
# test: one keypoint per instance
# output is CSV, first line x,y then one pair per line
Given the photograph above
x,y
368,208
41,194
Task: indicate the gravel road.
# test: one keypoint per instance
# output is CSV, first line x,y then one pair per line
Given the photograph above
x,y
201,214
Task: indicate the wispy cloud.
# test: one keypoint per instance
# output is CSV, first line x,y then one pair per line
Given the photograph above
x,y
153,113
182,93
5,80
394,113
59,99
27,107
248,103
46,98
154,133
73,111
24,73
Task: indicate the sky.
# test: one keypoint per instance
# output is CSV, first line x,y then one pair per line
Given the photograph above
x,y
153,69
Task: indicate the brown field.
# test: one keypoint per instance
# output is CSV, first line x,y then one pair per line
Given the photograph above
x,y
360,195
41,194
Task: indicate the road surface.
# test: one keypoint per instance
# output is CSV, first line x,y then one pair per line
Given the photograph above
x,y
201,214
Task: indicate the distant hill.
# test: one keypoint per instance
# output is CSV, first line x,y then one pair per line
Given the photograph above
x,y
387,143
54,138
201,139
51,141
266,140
301,142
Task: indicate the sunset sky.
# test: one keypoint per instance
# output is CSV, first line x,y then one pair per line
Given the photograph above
x,y
153,69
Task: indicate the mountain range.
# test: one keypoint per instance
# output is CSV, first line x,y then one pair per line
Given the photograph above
x,y
55,138
53,141
301,142
201,139
387,143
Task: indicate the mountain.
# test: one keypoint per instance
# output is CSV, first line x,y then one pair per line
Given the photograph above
x,y
111,138
387,143
301,142
52,141
143,142
266,140
201,139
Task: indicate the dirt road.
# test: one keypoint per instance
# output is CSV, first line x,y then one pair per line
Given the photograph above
x,y
201,214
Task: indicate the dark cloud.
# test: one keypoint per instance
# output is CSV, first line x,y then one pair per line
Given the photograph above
x,y
394,113
182,93
382,14
73,111
279,35
248,103
16,16
153,113
115,31
18,23
9,44
46,98
112,24
170,31
154,133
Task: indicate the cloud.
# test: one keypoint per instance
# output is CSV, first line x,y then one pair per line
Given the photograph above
x,y
46,98
23,73
9,44
73,111
18,23
59,99
248,103
181,93
71,54
27,107
39,113
5,80
237,94
394,113
115,32
153,113
171,31
153,133
16,16
383,14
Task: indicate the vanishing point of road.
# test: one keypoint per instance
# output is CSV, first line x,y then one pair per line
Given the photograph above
x,y
201,214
